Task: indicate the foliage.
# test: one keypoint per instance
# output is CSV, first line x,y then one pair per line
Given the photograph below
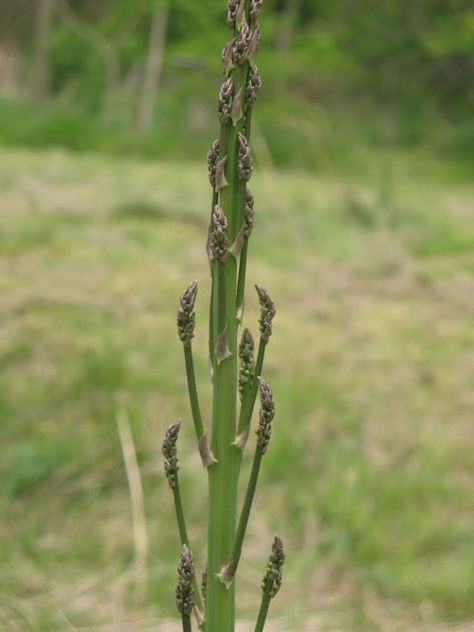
x,y
402,68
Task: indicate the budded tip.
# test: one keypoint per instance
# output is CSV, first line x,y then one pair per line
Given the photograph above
x,y
186,316
184,589
170,453
273,577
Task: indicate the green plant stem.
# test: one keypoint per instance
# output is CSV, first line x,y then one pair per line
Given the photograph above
x,y
244,253
220,602
183,535
223,475
212,342
227,195
221,298
187,623
241,281
245,513
206,454
248,122
192,390
264,606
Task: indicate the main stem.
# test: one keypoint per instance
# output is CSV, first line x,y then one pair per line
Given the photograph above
x,y
187,624
220,602
224,474
264,606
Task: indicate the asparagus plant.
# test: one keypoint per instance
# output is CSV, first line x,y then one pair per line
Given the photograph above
x,y
235,372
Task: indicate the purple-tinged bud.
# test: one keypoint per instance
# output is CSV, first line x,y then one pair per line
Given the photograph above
x,y
224,107
219,238
236,111
267,412
170,453
221,181
232,6
227,56
255,6
236,13
240,52
267,313
254,84
273,576
247,362
184,589
212,158
244,166
186,317
254,42
249,213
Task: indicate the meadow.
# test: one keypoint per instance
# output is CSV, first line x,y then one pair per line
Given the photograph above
x,y
369,475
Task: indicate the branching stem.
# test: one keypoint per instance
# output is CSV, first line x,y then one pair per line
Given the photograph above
x,y
192,390
241,281
183,535
186,623
228,572
264,606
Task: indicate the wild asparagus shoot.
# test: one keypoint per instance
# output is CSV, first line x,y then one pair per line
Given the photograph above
x,y
236,372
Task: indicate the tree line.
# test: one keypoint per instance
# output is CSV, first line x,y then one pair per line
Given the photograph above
x,y
398,54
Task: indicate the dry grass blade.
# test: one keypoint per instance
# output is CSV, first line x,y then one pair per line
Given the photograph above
x,y
137,504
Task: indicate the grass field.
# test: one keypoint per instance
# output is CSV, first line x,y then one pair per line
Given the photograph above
x,y
369,477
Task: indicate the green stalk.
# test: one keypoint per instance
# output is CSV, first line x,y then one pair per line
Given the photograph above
x,y
240,299
252,88
267,412
212,341
228,572
263,611
241,281
186,623
227,197
229,169
192,390
186,321
201,435
212,166
220,603
223,475
178,505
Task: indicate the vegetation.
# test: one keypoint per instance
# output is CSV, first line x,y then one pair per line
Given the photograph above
x,y
396,73
360,137
372,273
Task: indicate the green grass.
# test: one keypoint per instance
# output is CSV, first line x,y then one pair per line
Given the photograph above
x,y
369,475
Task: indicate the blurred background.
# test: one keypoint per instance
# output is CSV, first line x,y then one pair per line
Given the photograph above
x,y
364,148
